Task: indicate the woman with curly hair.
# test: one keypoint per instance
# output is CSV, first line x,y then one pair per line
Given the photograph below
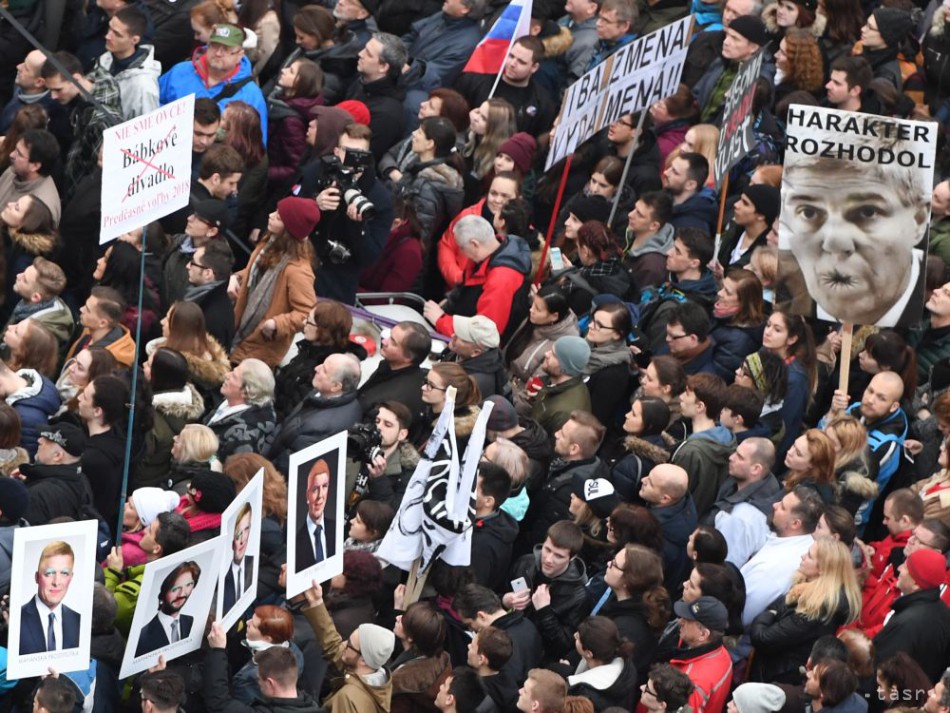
x,y
811,462
636,601
350,599
600,268
799,64
274,293
824,596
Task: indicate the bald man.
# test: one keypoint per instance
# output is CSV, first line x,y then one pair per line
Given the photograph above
x,y
666,490
886,422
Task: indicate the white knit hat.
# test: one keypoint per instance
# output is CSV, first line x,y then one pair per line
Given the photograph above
x,y
151,502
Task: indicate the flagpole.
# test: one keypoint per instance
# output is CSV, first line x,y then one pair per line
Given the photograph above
x,y
502,70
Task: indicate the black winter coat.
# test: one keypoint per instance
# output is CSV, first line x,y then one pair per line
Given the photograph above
x,y
55,491
622,693
526,642
569,602
783,639
313,420
552,502
294,380
219,313
920,626
217,692
402,385
492,540
630,616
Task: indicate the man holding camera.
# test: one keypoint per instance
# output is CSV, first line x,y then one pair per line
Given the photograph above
x,y
389,473
356,213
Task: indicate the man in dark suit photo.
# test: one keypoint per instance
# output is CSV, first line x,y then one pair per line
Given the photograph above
x,y
170,626
237,578
316,537
46,624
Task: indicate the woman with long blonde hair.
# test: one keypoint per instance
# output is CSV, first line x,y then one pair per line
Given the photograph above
x,y
824,596
491,124
853,469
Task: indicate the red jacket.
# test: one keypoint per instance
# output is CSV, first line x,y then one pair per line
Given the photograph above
x,y
711,674
452,263
489,288
877,597
884,548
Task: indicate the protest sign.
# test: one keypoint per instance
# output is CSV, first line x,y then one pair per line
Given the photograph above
x,y
241,529
146,168
629,81
315,514
173,606
855,208
51,582
735,138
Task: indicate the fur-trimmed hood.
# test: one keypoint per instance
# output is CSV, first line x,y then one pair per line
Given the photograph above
x,y
209,372
185,404
465,418
408,455
34,243
859,484
642,447
557,44
938,24
768,17
441,172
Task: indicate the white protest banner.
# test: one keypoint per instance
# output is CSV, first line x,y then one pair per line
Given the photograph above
x,y
146,168
736,138
629,81
856,194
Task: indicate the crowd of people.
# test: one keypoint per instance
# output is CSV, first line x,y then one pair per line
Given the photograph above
x,y
677,508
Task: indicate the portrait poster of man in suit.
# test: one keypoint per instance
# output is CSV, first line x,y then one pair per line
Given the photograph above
x,y
315,543
241,561
51,593
170,625
174,604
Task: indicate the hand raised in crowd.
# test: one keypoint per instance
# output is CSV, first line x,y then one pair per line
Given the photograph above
x,y
234,287
314,595
114,559
518,601
541,597
399,598
840,401
160,666
432,311
217,637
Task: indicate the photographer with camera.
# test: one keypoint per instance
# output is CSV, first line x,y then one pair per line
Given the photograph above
x,y
356,213
383,452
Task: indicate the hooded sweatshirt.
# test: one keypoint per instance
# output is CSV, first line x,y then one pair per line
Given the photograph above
x,y
705,456
647,263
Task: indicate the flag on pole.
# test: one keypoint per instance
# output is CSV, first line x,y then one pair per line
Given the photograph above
x,y
489,56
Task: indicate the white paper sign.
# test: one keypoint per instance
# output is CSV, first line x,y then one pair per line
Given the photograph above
x,y
146,168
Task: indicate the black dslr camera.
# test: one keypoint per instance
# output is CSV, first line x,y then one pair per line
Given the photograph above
x,y
343,175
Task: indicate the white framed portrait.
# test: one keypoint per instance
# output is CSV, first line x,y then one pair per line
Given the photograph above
x,y
240,559
53,573
315,513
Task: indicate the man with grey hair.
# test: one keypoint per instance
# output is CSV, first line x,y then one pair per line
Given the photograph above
x,y
331,407
379,66
246,417
495,285
446,38
938,698
707,47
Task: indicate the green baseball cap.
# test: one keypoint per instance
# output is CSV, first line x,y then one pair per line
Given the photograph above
x,y
227,35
